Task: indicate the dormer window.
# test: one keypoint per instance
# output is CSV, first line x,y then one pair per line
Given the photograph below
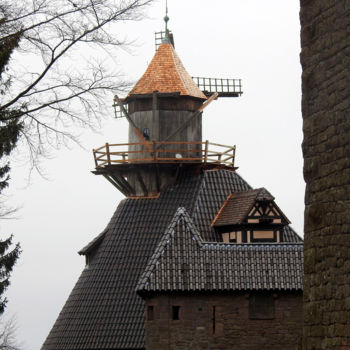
x,y
232,237
264,236
250,217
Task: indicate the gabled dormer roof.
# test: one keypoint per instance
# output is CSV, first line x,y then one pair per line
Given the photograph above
x,y
166,74
183,262
237,207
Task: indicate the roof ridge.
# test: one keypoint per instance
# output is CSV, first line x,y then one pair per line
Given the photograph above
x,y
93,243
252,246
264,191
221,209
165,241
174,55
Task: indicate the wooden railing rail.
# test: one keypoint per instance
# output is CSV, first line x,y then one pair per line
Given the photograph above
x,y
158,152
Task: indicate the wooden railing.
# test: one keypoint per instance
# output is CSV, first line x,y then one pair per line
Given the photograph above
x,y
164,152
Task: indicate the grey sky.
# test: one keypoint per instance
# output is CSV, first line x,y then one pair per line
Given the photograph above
x,y
255,40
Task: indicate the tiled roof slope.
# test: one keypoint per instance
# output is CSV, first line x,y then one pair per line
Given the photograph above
x,y
166,74
103,310
183,262
235,208
238,205
93,244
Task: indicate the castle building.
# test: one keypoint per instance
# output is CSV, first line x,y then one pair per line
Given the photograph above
x,y
194,257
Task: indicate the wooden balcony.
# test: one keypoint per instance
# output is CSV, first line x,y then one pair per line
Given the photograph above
x,y
164,152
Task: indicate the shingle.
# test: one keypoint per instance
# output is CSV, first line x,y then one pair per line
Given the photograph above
x,y
167,74
238,205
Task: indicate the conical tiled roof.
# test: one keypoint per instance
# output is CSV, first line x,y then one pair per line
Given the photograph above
x,y
167,74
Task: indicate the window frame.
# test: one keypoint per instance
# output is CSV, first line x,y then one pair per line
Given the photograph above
x,y
261,306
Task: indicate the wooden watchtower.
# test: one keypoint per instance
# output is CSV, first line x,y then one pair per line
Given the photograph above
x,y
164,110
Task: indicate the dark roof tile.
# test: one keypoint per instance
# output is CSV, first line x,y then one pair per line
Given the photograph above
x,y
274,266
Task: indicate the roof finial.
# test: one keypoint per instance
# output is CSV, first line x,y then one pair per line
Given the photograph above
x,y
166,20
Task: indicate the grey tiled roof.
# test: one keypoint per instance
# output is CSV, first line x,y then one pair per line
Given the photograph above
x,y
103,310
93,244
184,262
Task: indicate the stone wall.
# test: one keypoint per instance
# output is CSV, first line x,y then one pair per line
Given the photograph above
x,y
228,328
325,58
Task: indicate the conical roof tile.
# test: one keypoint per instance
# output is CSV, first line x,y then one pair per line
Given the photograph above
x,y
167,74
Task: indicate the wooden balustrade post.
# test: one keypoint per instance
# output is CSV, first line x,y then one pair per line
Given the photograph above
x,y
206,151
93,151
233,155
107,153
155,151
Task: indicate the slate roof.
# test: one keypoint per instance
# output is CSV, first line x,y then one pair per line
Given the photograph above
x,y
183,262
93,244
166,74
103,310
238,205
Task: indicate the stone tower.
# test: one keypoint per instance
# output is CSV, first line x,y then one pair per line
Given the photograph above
x,y
325,58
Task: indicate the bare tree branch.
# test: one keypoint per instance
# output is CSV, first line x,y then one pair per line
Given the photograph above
x,y
8,338
60,88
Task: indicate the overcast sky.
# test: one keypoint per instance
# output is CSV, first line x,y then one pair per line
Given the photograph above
x,y
257,41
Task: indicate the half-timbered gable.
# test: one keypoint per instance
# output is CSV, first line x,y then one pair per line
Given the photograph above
x,y
250,217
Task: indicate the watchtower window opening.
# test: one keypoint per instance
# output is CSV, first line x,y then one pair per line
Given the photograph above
x,y
175,312
146,134
261,306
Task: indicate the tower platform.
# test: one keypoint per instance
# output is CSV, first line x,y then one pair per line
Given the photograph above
x,y
117,161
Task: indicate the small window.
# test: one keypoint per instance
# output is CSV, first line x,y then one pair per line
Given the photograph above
x,y
232,237
146,134
176,312
261,306
263,236
150,313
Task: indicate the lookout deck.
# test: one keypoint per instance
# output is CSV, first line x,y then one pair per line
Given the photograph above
x,y
164,152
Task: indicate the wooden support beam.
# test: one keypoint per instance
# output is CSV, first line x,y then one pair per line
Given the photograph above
x,y
126,183
157,177
115,184
143,186
148,96
124,188
136,129
154,103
